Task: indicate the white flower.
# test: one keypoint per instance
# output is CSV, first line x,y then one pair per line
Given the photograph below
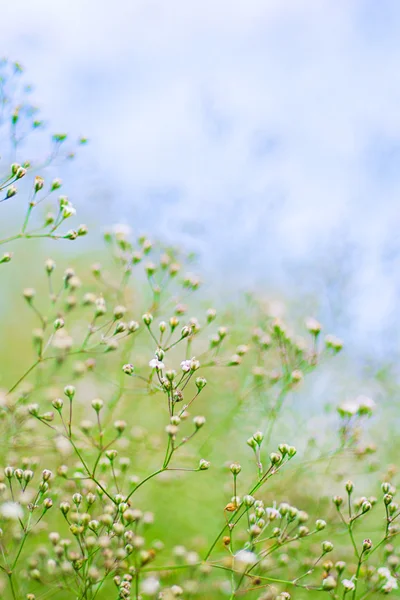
x,y
150,586
192,558
156,364
63,446
389,583
62,340
246,557
313,325
190,365
348,409
11,510
121,231
272,513
69,211
348,585
384,572
365,405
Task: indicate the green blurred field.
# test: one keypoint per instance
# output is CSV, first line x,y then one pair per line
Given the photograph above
x,y
189,507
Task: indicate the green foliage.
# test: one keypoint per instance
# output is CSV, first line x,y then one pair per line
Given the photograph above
x,y
142,453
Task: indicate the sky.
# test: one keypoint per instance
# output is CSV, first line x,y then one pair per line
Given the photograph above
x,y
264,134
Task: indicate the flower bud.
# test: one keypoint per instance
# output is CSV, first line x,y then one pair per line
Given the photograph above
x,y
348,585
65,507
199,421
69,391
119,312
235,468
204,465
97,404
111,455
128,369
58,403
82,230
327,546
8,472
366,506
38,183
252,443
77,499
201,382
367,545
349,487
133,326
120,425
55,184
46,475
29,294
258,437
275,458
59,323
147,319
329,583
47,503
387,499
7,256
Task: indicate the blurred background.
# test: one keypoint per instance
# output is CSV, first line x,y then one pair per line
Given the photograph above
x,y
265,136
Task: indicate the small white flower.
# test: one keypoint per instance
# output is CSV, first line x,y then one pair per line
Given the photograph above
x,y
121,231
69,211
390,585
62,340
384,572
272,513
11,510
63,446
190,365
156,364
365,404
150,586
348,585
246,557
389,582
313,325
348,409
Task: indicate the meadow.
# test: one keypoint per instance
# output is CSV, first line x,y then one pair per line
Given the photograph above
x,y
159,441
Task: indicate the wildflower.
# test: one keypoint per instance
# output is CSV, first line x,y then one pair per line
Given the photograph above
x,y
329,583
204,464
11,191
156,364
365,405
245,557
334,343
348,585
388,582
313,326
199,421
11,510
327,546
272,513
150,586
190,365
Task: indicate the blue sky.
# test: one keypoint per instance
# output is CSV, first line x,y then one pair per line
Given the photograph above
x,y
264,133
